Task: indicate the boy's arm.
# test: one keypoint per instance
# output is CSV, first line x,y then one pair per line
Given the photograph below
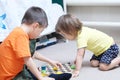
x,y
32,67
40,57
78,61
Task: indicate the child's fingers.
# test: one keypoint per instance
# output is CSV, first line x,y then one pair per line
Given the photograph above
x,y
59,64
75,75
48,78
55,65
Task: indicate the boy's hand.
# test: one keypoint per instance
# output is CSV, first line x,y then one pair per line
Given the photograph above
x,y
75,73
55,63
47,78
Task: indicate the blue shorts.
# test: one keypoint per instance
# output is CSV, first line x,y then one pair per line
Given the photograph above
x,y
107,56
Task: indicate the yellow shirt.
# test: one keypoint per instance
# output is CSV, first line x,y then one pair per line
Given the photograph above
x,y
94,40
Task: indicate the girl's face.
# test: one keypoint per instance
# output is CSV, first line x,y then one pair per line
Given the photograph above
x,y
67,36
36,31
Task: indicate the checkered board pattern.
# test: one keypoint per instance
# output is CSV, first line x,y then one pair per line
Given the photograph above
x,y
64,69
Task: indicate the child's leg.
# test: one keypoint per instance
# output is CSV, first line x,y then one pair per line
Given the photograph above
x,y
94,61
25,74
110,58
113,64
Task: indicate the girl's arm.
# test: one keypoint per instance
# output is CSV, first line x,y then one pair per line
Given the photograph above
x,y
78,61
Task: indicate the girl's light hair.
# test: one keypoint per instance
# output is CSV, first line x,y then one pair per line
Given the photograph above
x,y
68,24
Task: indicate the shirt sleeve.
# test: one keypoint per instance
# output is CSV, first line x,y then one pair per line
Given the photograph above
x,y
22,46
82,40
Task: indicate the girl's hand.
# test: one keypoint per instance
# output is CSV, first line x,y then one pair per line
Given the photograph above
x,y
75,73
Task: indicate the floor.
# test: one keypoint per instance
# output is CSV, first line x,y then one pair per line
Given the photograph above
x,y
66,52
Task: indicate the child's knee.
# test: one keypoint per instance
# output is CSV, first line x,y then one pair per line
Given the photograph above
x,y
103,67
94,63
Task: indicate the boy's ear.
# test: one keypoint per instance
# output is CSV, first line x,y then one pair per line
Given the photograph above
x,y
35,25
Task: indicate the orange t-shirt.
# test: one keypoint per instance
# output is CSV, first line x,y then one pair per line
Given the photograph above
x,y
12,52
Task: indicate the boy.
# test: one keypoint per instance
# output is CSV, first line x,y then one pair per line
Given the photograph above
x,y
14,50
103,46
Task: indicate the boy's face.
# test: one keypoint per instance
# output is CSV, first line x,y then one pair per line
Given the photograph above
x,y
35,32
67,36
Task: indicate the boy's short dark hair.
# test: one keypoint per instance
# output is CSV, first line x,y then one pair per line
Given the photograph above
x,y
68,24
35,14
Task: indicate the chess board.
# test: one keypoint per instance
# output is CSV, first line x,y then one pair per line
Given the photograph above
x,y
66,68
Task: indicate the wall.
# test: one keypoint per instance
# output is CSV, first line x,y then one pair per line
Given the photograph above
x,y
99,15
12,11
